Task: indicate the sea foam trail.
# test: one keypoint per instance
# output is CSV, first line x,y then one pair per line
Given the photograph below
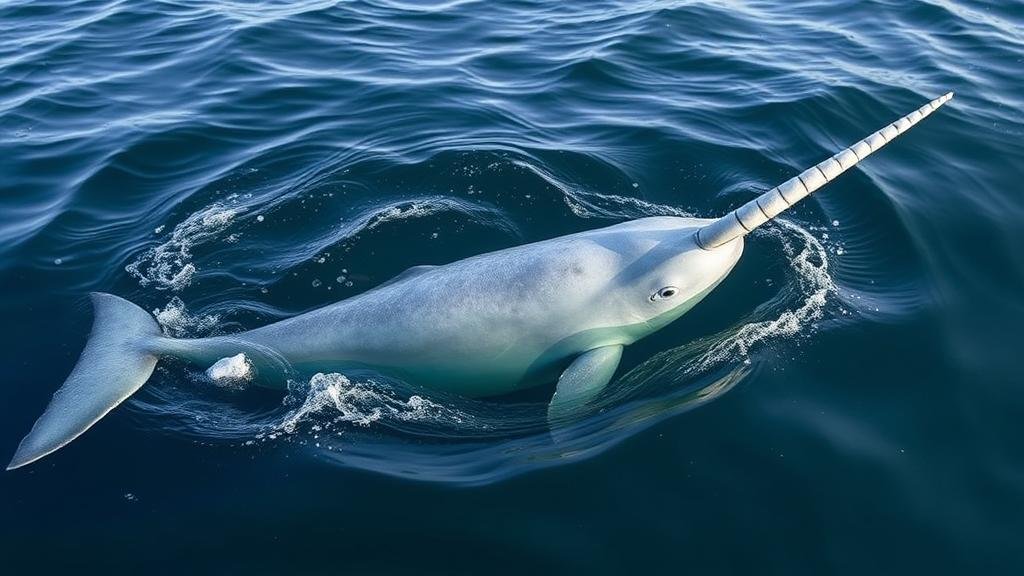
x,y
169,266
332,399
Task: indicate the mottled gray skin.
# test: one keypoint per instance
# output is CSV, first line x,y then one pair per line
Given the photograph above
x,y
498,322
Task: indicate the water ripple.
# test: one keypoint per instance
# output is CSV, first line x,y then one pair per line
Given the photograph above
x,y
228,165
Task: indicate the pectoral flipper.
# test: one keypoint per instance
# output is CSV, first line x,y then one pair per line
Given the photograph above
x,y
582,381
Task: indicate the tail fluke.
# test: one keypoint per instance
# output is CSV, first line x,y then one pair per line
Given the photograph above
x,y
116,362
767,206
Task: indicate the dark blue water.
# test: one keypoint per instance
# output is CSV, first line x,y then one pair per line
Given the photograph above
x,y
848,401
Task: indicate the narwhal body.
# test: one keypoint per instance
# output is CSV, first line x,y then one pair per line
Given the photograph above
x,y
560,309
497,322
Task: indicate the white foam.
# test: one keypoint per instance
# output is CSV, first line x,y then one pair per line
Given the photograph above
x,y
177,322
169,266
337,398
234,368
810,265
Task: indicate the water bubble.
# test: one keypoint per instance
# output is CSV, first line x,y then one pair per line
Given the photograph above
x,y
259,218
58,261
317,283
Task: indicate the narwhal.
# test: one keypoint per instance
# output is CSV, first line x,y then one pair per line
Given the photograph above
x,y
556,310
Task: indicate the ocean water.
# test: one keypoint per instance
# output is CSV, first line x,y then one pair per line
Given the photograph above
x,y
848,401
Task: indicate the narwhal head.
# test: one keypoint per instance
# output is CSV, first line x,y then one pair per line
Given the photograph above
x,y
648,272
680,274
685,258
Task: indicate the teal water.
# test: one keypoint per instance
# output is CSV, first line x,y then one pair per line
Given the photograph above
x,y
848,401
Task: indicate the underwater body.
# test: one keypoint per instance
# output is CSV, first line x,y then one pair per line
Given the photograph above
x,y
228,167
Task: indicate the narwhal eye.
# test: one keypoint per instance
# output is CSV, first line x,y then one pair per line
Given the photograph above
x,y
665,293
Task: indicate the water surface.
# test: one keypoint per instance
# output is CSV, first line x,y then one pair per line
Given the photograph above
x,y
848,401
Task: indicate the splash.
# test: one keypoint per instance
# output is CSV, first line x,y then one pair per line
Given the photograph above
x,y
332,399
809,264
177,322
169,266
